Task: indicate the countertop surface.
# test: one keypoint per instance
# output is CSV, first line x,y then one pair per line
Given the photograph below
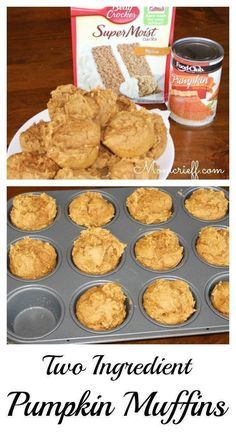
x,y
40,59
221,338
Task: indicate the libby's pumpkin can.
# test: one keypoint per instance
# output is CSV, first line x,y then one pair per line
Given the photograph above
x,y
195,74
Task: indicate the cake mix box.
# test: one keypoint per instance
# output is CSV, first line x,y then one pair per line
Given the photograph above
x,y
125,48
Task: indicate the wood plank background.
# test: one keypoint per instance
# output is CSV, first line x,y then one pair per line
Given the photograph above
x,y
39,59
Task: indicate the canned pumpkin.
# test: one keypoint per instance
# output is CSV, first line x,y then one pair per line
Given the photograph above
x,y
194,80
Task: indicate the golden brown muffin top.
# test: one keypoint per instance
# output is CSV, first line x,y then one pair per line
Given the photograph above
x,y
213,245
169,301
33,212
97,251
207,204
102,307
91,209
149,205
159,250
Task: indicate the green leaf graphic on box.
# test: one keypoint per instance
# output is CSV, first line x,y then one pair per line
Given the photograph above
x,y
155,16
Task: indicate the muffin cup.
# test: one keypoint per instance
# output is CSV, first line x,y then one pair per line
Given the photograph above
x,y
181,263
44,239
10,224
34,312
79,271
105,195
209,288
173,211
189,192
194,292
83,289
194,243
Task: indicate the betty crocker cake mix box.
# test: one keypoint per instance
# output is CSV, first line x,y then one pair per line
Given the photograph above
x,y
125,48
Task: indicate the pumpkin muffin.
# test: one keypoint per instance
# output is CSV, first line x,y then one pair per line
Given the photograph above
x,y
97,251
169,301
70,102
91,209
160,132
102,307
213,245
104,101
207,204
74,144
27,165
129,134
32,259
220,297
59,97
150,206
34,138
33,212
133,168
159,250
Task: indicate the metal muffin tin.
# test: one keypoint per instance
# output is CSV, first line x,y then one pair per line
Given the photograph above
x,y
42,311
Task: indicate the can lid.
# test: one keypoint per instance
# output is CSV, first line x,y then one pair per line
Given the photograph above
x,y
198,49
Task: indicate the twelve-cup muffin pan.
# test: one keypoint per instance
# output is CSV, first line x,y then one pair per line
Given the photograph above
x,y
43,311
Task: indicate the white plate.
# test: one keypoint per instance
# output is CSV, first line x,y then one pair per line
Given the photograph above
x,y
165,161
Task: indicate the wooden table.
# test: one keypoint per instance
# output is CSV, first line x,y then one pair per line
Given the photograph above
x,y
39,59
221,338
